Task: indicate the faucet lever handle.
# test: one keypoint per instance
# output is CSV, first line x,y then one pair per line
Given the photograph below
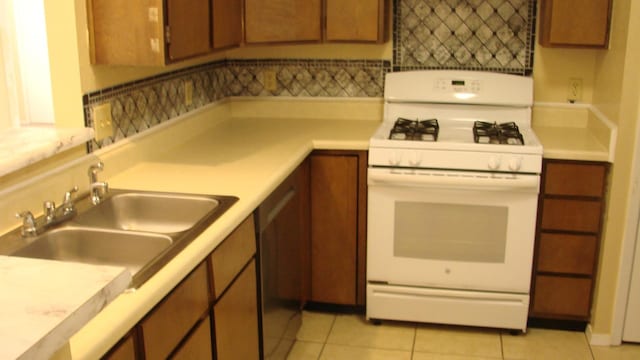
x,y
94,169
28,223
67,202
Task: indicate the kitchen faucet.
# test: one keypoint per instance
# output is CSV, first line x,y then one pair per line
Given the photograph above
x,y
98,188
52,215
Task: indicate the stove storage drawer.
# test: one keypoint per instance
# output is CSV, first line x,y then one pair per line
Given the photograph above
x,y
567,240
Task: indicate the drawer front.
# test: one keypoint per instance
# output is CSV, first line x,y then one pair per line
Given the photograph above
x,y
574,179
236,319
198,346
125,350
562,296
172,319
571,215
564,253
228,259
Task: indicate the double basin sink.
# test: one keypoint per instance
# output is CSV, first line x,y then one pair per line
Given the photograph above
x,y
139,230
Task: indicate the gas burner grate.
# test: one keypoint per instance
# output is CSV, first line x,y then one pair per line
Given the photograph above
x,y
418,130
494,133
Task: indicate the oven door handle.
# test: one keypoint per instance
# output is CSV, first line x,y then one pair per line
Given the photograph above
x,y
455,180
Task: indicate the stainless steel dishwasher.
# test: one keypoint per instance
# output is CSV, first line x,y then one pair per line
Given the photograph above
x,y
280,227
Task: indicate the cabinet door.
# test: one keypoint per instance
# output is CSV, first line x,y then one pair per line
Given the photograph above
x,y
575,23
125,32
165,327
236,318
282,21
198,345
227,23
188,34
354,20
334,228
124,350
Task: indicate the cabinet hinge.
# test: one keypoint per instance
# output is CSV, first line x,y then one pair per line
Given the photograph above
x,y
167,34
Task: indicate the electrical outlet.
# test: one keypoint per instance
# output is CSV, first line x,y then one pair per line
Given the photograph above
x,y
188,92
102,122
270,81
575,90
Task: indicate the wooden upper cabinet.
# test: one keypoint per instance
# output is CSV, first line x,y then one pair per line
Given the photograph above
x,y
146,32
188,28
575,23
355,20
279,21
227,23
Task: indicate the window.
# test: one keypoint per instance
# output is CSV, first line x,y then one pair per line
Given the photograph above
x,y
25,79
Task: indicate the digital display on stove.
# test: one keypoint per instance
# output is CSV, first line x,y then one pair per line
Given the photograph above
x,y
457,82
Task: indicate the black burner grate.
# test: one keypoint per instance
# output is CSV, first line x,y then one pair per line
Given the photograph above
x,y
419,130
494,133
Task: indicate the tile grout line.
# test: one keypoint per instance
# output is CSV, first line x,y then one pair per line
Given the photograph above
x,y
589,346
324,344
501,345
413,345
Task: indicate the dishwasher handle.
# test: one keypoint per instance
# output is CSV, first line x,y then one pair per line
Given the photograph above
x,y
266,214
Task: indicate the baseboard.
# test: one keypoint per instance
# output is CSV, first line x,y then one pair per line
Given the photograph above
x,y
598,339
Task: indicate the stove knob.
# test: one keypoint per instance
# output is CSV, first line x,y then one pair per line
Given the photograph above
x,y
415,160
394,159
515,163
494,162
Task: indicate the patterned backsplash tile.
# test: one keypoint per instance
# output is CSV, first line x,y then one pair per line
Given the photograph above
x,y
490,35
142,104
494,35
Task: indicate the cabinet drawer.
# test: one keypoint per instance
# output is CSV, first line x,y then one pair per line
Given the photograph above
x,y
564,253
172,319
236,319
232,255
557,295
574,179
571,215
125,350
198,346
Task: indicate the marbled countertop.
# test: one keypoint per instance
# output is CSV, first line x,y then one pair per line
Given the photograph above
x,y
43,303
26,145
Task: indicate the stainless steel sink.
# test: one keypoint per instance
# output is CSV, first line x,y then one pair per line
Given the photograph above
x,y
153,212
139,230
97,246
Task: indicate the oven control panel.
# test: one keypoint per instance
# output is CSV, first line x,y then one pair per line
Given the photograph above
x,y
469,86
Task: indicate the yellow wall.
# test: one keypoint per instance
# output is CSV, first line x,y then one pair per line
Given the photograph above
x,y
617,96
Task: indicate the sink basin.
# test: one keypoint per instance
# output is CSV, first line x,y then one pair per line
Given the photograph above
x,y
152,212
97,246
139,230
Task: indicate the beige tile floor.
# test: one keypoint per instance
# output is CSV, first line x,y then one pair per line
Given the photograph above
x,y
336,337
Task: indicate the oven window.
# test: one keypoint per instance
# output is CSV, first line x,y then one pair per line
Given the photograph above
x,y
473,233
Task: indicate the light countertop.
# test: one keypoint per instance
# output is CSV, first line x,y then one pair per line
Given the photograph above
x,y
571,132
44,302
244,157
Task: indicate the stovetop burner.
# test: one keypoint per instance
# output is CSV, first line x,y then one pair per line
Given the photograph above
x,y
494,133
420,130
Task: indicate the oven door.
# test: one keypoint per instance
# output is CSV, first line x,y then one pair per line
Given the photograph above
x,y
453,230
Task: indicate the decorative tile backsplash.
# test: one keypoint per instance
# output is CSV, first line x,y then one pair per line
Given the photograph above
x,y
489,35
494,35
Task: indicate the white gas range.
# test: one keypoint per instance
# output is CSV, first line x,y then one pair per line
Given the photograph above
x,y
454,176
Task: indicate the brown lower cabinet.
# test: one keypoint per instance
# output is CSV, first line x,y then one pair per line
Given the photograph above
x,y
212,313
567,239
338,226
